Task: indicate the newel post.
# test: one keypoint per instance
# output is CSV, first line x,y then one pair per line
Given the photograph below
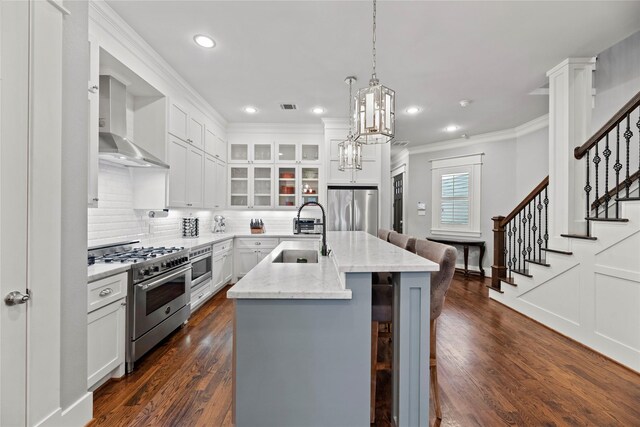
x,y
498,268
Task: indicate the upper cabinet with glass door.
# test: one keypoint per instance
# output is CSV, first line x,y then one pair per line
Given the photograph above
x,y
250,152
298,152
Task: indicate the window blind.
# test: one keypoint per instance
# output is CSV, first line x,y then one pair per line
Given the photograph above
x,y
455,199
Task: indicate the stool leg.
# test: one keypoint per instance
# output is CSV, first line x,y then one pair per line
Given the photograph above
x,y
374,364
433,369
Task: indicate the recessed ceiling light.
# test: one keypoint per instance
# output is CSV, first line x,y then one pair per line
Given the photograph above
x,y
122,157
318,110
465,102
250,110
413,110
452,128
204,41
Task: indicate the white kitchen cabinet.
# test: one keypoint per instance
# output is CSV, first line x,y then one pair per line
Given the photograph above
x,y
218,273
186,125
227,267
250,186
214,144
371,172
298,152
178,121
196,132
106,341
251,152
215,183
106,328
249,251
200,294
186,175
221,185
297,184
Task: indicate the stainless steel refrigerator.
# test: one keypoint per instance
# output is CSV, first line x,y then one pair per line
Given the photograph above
x,y
352,209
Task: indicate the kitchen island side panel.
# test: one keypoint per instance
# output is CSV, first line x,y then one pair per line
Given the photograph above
x,y
304,362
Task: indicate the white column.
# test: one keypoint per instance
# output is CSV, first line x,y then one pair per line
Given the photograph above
x,y
570,104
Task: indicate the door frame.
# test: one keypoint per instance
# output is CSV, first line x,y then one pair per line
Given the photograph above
x,y
402,168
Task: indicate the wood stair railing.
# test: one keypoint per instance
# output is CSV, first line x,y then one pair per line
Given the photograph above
x,y
521,236
608,158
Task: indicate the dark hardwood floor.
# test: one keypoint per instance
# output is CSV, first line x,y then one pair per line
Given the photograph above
x,y
496,367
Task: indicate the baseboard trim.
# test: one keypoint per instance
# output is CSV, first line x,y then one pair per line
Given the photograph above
x,y
628,368
78,414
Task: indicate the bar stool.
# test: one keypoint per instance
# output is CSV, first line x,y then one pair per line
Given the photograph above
x,y
383,234
445,256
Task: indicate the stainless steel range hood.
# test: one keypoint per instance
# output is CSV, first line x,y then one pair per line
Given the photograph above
x,y
114,146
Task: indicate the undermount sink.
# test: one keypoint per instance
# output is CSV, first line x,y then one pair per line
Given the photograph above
x,y
297,256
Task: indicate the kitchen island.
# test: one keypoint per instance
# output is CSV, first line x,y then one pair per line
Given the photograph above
x,y
302,335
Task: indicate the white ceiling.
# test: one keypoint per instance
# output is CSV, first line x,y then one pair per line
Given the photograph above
x,y
432,53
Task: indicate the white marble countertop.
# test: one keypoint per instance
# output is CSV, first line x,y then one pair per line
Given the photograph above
x,y
270,280
100,271
352,251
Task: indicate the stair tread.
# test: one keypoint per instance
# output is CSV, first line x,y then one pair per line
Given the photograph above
x,y
538,262
607,219
495,289
508,280
557,251
522,272
579,236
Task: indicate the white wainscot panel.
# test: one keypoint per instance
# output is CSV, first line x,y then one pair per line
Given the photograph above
x,y
617,310
559,296
623,255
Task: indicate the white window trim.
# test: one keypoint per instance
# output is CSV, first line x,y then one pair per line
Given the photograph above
x,y
471,164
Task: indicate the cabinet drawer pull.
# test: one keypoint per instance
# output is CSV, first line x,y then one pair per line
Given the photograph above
x,y
105,292
95,199
94,89
258,243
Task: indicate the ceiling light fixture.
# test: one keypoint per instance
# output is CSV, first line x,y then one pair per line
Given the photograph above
x,y
318,110
375,106
413,110
350,150
452,128
204,41
250,109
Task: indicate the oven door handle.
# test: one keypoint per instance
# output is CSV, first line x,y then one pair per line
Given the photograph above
x,y
162,280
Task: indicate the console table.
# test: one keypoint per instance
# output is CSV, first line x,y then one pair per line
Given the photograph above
x,y
466,244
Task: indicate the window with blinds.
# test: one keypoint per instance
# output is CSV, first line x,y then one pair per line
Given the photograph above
x,y
454,205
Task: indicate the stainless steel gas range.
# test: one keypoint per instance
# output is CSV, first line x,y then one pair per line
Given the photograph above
x,y
158,293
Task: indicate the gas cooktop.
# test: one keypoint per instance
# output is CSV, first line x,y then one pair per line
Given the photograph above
x,y
132,255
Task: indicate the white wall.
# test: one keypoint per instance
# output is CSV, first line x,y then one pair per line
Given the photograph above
x,y
512,167
617,78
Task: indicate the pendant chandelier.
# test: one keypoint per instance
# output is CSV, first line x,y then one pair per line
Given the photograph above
x,y
375,106
350,150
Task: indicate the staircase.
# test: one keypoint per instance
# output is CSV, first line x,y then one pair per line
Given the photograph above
x,y
589,288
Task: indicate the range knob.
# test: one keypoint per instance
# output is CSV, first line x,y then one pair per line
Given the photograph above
x,y
185,259
141,272
147,272
163,265
156,268
172,263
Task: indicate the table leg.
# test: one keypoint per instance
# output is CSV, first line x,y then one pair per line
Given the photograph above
x,y
466,260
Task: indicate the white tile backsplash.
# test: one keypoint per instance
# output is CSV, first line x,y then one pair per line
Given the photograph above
x,y
115,220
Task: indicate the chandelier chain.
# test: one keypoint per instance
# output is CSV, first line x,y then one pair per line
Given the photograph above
x,y
350,107
373,76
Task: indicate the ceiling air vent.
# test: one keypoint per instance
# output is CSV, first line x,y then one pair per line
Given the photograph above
x,y
400,143
288,106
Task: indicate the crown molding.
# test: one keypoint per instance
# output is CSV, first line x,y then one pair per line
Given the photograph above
x,y
335,123
275,128
589,61
501,135
102,15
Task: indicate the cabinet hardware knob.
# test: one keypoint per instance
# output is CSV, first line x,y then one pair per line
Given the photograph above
x,y
105,292
123,303
95,199
93,89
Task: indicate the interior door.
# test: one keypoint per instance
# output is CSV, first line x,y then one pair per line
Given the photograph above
x,y
397,202
14,144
